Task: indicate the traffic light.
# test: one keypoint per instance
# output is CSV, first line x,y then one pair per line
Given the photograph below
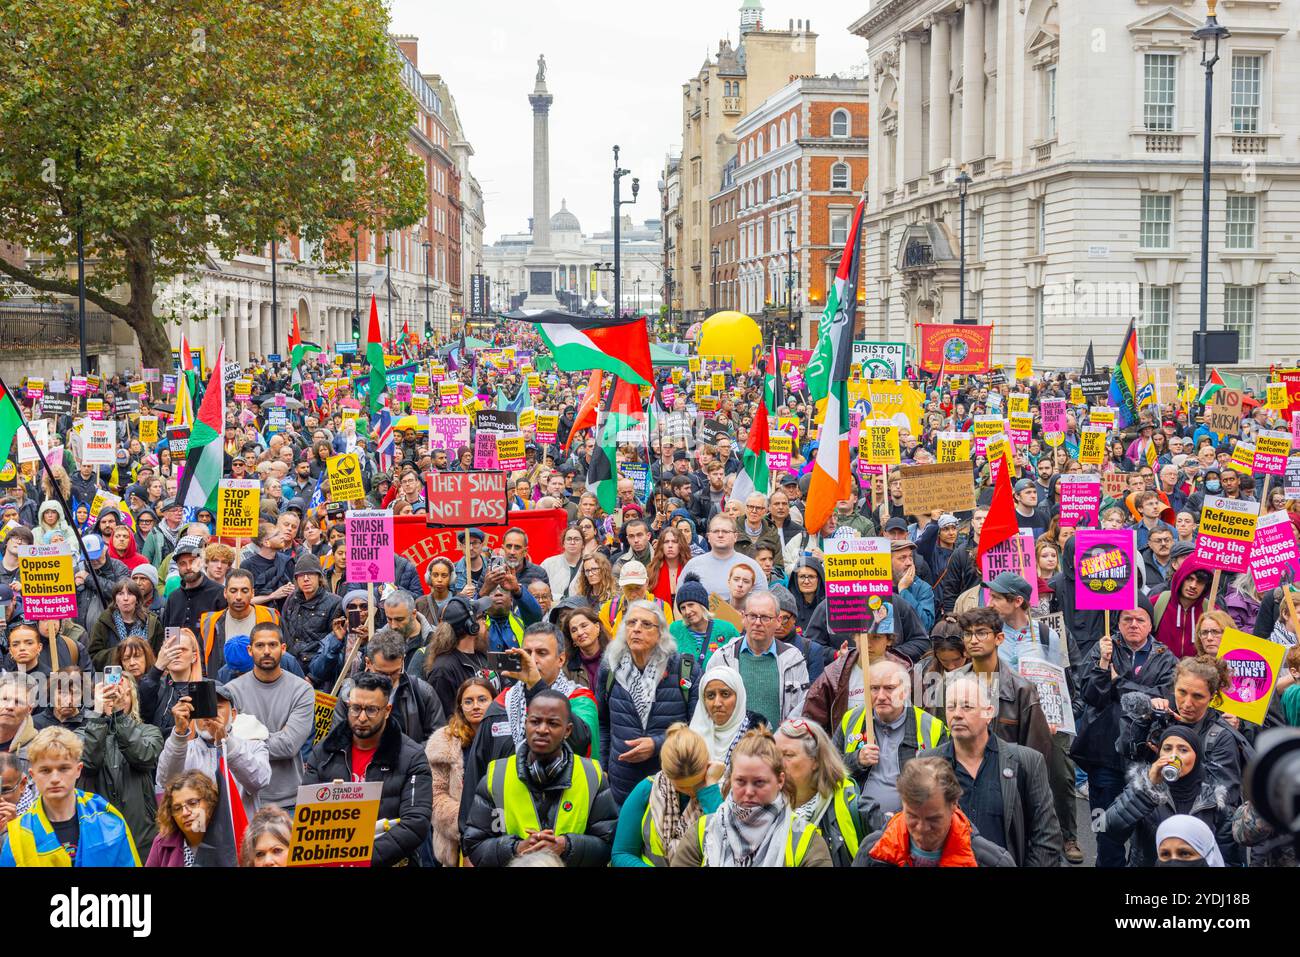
x,y
428,329
356,326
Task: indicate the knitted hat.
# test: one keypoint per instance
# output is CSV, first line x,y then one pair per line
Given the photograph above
x,y
307,564
692,589
147,571
784,600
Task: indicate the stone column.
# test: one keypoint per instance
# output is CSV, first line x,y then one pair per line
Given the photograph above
x,y
229,321
541,101
972,96
909,108
940,46
241,329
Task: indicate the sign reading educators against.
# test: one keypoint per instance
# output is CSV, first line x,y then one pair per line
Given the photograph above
x,y
856,569
369,536
949,486
1273,551
1226,531
238,503
334,824
1254,664
464,499
1105,577
45,575
345,477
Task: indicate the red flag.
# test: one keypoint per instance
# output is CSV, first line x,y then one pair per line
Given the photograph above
x,y
586,417
295,336
1000,524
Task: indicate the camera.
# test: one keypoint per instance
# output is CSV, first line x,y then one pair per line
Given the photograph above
x,y
1272,779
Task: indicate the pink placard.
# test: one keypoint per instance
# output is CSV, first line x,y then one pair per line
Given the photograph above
x,y
369,535
1053,411
1016,554
1273,551
485,450
1080,499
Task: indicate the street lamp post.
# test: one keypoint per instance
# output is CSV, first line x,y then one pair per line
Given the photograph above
x,y
1210,33
963,182
637,284
618,239
713,281
356,283
275,302
668,297
789,283
428,318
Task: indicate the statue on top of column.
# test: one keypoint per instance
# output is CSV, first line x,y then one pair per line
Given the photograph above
x,y
541,68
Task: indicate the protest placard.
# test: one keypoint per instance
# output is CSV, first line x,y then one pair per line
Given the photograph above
x,y
1291,483
1021,427
510,451
780,447
1254,664
35,388
878,443
1105,576
99,443
1243,458
984,426
334,824
1076,396
1054,421
1016,554
856,569
1226,531
1165,379
419,402
1092,445
1223,415
27,450
1024,367
369,540
527,418
243,390
1053,691
1276,395
1094,386
178,439
1113,484
877,360
45,576
953,447
1273,550
323,715
948,486
496,420
1102,415
1017,402
343,473
54,406
238,504
998,450
1272,446
1080,499
448,432
546,427
449,394
463,499
148,429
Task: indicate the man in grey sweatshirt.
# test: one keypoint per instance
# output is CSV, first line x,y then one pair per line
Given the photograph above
x,y
284,703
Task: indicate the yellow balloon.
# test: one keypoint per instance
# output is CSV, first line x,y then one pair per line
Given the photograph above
x,y
732,335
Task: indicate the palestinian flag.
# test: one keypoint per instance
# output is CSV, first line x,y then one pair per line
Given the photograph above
x,y
580,343
753,476
404,340
586,417
11,420
375,357
827,376
1214,385
298,351
205,460
622,411
774,382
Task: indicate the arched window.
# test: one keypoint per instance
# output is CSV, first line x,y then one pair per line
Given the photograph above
x,y
785,130
776,140
785,181
840,124
840,176
794,176
794,126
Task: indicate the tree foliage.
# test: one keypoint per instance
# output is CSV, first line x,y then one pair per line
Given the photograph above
x,y
167,128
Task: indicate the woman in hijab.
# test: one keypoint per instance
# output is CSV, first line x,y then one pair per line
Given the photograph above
x,y
721,717
755,827
1186,841
1175,783
809,588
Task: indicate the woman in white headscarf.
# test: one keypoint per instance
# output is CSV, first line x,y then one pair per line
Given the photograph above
x,y
720,715
1186,841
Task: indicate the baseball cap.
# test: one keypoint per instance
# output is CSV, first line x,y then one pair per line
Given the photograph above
x,y
1009,583
789,478
633,573
896,525
188,545
94,545
1023,484
901,544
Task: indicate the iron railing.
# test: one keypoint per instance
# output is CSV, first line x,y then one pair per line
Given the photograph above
x,y
23,324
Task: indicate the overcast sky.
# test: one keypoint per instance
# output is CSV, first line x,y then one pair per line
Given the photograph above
x,y
615,69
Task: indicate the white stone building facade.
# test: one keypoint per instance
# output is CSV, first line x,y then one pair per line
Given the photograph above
x,y
1084,146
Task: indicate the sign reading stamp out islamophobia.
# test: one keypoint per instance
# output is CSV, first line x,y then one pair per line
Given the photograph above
x,y
856,569
1254,664
369,540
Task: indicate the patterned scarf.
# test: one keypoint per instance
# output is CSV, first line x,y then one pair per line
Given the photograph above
x,y
517,703
748,836
641,684
671,821
125,631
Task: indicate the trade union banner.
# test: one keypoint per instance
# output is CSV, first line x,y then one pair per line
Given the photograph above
x,y
958,349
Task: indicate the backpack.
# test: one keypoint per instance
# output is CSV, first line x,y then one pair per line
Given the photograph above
x,y
686,666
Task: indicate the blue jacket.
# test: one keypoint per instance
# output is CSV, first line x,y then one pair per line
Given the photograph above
x,y
921,597
619,723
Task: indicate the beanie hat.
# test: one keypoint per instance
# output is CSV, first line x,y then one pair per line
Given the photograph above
x,y
692,589
237,656
307,564
148,571
784,599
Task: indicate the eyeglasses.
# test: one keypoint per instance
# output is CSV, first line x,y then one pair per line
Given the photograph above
x,y
369,710
193,804
641,624
722,531
979,633
760,619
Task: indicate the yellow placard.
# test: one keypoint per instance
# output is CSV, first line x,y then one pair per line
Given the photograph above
x,y
1254,664
94,405
676,375
718,381
148,429
708,403
1092,445
534,381
448,390
1076,395
243,388
988,425
1243,458
323,715
509,447
419,402
1271,442
1024,367
139,388
344,476
878,443
238,504
527,418
693,363
509,352
548,423
420,380
890,400
1017,402
953,447
334,824
780,443
1102,415
999,446
1277,395
1236,524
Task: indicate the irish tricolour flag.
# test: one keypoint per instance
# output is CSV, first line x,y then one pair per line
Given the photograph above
x,y
580,343
205,460
827,377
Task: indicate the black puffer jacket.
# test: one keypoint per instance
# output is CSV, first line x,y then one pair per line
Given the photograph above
x,y
408,787
1225,751
306,623
1142,807
1099,728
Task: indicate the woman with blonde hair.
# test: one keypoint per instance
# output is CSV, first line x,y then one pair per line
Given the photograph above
x,y
597,583
445,751
1209,631
755,826
825,796
666,807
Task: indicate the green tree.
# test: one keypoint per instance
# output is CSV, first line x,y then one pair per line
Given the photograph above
x,y
169,128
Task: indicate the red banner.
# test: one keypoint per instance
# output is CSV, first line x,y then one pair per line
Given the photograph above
x,y
959,349
421,544
1292,379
